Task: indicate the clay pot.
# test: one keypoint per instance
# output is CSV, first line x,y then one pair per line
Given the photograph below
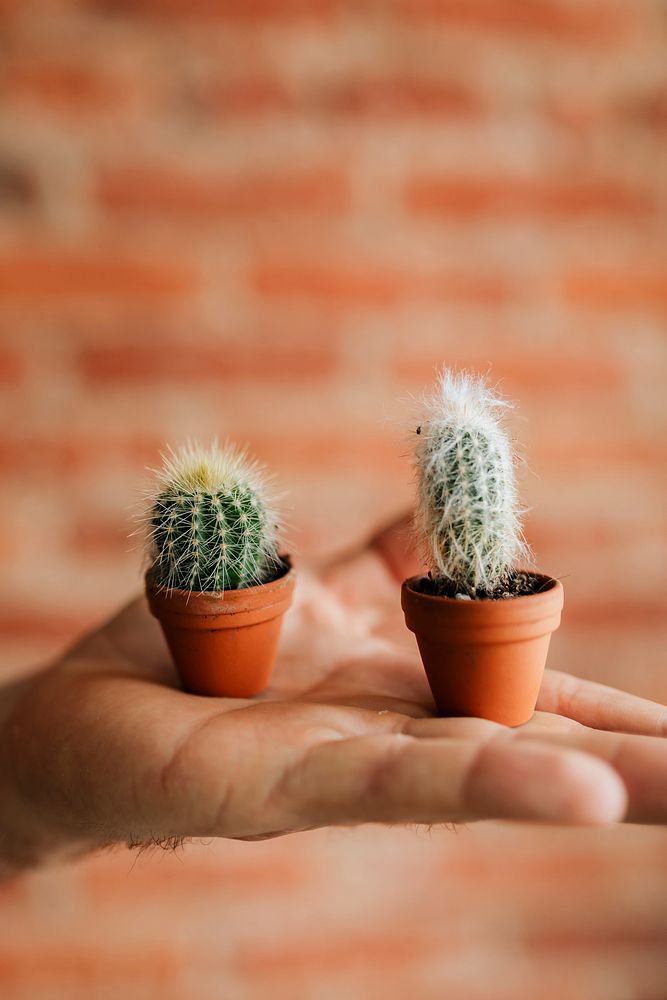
x,y
484,658
224,644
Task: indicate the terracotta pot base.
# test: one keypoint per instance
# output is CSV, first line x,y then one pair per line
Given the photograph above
x,y
224,644
484,658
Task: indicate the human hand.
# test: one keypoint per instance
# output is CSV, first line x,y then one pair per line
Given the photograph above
x,y
104,747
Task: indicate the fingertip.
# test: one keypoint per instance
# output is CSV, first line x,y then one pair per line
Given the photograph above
x,y
533,781
593,793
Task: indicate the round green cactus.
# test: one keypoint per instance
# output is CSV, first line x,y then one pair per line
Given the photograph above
x,y
212,525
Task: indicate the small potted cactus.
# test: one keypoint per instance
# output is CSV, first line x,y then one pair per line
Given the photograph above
x,y
216,581
482,620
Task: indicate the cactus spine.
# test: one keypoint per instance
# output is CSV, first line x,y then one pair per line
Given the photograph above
x,y
468,514
211,522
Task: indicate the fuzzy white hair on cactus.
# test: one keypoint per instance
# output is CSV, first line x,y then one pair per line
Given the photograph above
x,y
468,514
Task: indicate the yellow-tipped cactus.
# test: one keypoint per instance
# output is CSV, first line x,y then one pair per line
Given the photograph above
x,y
212,523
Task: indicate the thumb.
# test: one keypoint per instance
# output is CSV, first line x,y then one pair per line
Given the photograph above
x,y
376,566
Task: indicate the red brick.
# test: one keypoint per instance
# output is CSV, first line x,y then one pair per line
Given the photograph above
x,y
479,871
172,875
20,455
619,289
96,536
41,456
595,452
10,547
224,10
198,363
577,536
373,287
378,97
329,449
253,96
65,274
98,966
74,88
174,192
621,615
582,113
31,456
528,372
385,950
11,367
19,623
595,23
589,939
466,197
396,97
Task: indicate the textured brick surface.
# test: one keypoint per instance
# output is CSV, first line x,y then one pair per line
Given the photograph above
x,y
272,220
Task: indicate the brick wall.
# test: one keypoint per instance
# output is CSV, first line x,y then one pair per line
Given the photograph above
x,y
272,219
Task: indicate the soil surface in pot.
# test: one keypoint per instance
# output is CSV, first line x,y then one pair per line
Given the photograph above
x,y
519,584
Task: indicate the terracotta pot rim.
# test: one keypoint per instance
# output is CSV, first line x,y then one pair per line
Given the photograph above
x,y
244,605
513,615
473,607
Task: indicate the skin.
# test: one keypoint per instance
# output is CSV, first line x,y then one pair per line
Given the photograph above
x,y
103,747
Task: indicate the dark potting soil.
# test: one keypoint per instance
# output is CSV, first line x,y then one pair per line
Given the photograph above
x,y
519,584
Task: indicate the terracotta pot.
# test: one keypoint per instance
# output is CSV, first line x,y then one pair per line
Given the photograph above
x,y
223,644
484,658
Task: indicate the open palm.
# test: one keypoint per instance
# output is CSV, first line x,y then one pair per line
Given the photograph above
x,y
105,747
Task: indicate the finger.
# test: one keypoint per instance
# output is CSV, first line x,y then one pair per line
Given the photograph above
x,y
600,707
401,779
395,546
640,762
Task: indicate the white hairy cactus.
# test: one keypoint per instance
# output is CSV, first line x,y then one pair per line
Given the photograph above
x,y
211,521
468,514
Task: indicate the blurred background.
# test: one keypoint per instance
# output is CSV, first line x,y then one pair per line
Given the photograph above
x,y
275,219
